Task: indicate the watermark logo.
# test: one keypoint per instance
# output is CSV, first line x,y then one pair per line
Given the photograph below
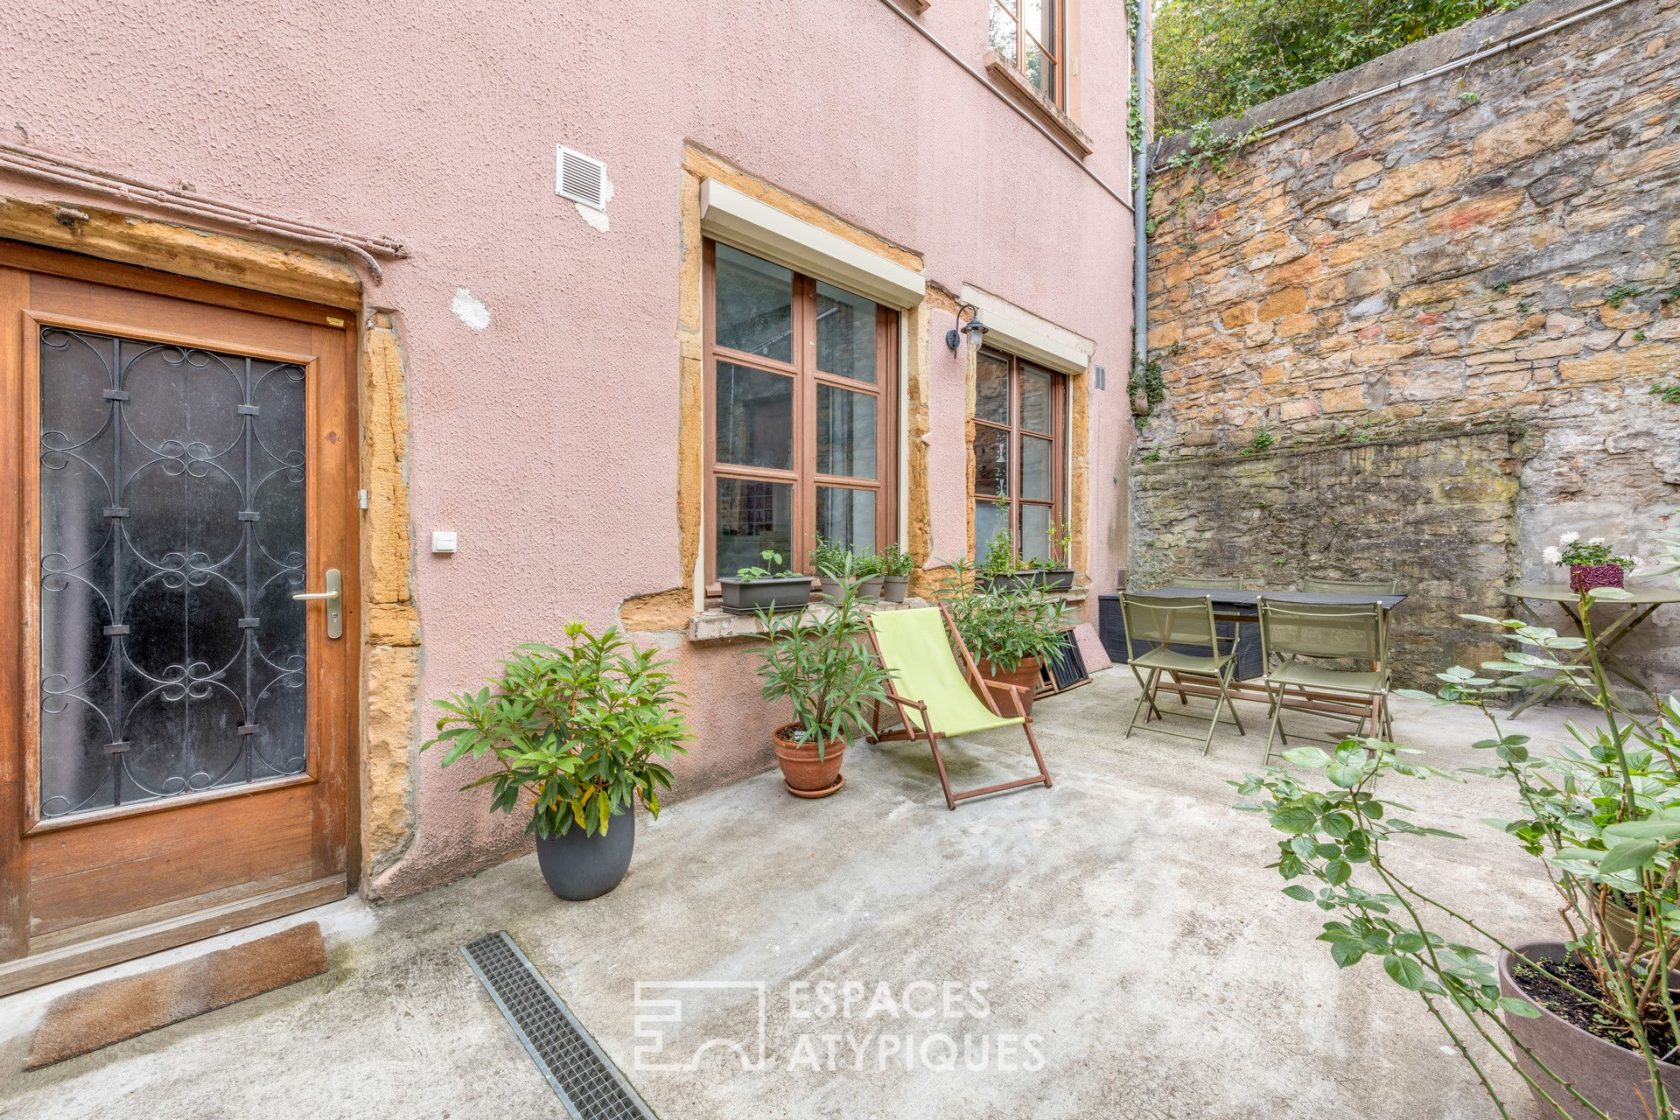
x,y
942,1026
663,1006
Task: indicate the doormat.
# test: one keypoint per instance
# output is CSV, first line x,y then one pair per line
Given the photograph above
x,y
86,1020
587,1082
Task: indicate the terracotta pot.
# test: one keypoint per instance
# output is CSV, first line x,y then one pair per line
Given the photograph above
x,y
802,770
1611,1077
1621,926
1025,675
1585,577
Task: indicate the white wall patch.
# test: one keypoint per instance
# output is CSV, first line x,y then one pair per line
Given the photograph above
x,y
597,218
471,310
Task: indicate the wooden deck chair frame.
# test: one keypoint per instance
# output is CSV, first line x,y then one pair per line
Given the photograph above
x,y
988,690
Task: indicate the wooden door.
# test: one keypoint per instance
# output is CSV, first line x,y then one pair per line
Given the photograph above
x,y
177,463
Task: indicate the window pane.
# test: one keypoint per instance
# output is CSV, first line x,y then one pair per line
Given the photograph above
x,y
1035,532
1036,460
1035,400
845,432
1035,17
754,305
990,519
991,390
991,462
845,334
847,517
1001,32
754,417
751,517
1037,67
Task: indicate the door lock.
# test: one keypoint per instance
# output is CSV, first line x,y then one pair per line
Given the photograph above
x,y
333,597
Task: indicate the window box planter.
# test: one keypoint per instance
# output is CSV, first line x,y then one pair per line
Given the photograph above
x,y
742,596
1050,579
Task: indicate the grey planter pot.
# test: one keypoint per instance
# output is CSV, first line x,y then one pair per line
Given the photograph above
x,y
577,867
871,587
1611,1077
1055,579
1014,582
747,596
895,588
830,588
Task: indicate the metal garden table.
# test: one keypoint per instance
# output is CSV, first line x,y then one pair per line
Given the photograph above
x,y
1244,607
1641,603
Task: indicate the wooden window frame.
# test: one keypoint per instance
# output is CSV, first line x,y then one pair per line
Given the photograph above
x,y
1055,52
806,378
1014,432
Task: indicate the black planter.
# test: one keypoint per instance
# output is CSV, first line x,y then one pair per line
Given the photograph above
x,y
1015,581
577,866
747,596
1055,579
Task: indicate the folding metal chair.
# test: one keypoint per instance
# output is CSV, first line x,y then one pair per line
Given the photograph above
x,y
1376,585
1294,634
1166,621
1212,583
939,699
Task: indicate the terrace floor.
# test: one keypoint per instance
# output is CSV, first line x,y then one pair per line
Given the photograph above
x,y
1133,953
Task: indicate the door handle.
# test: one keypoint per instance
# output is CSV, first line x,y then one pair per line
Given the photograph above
x,y
333,596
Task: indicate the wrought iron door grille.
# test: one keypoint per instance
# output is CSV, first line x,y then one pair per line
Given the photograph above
x,y
581,1075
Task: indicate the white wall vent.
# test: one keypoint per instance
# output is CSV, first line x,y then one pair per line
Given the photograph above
x,y
581,178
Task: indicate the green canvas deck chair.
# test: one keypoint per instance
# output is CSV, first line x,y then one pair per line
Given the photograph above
x,y
1294,635
1163,622
931,671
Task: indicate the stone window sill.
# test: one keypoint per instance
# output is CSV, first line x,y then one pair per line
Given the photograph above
x,y
915,7
718,625
1016,85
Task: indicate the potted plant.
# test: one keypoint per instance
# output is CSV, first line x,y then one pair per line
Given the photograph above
x,y
825,667
1009,630
577,732
1050,575
772,586
897,566
831,562
999,566
1588,1013
1591,563
871,573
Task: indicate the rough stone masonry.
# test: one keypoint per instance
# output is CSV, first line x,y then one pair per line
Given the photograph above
x,y
1344,312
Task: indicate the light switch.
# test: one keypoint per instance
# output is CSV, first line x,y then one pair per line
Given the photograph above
x,y
443,543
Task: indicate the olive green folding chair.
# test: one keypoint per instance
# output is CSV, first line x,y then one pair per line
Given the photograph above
x,y
1377,585
931,672
1293,636
1165,622
1211,583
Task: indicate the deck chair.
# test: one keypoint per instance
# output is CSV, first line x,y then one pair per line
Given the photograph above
x,y
1166,622
1293,635
1379,585
932,693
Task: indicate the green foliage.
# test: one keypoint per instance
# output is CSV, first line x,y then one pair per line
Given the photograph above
x,y
1153,455
836,561
1154,384
1261,441
822,663
1668,394
578,730
1620,294
1572,550
774,568
999,559
1601,818
1217,58
1003,624
1502,287
897,562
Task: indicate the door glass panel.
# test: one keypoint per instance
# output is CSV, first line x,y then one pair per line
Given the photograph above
x,y
991,389
991,461
847,517
752,516
754,305
1036,400
1035,532
754,417
990,519
845,432
1035,468
173,534
845,334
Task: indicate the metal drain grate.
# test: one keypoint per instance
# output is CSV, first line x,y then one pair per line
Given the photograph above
x,y
584,1078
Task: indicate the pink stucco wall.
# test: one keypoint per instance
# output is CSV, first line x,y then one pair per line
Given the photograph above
x,y
548,439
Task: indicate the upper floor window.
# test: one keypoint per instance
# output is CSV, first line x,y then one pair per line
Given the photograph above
x,y
1030,34
1019,484
799,385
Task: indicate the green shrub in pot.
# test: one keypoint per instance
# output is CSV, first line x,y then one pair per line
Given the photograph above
x,y
1586,1013
577,732
1009,630
896,565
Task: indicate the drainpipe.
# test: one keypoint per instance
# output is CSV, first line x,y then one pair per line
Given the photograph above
x,y
1140,206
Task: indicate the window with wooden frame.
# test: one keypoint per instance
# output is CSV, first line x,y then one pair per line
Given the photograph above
x,y
1020,425
1032,35
800,392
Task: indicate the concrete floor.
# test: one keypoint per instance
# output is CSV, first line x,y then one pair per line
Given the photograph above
x,y
1133,953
